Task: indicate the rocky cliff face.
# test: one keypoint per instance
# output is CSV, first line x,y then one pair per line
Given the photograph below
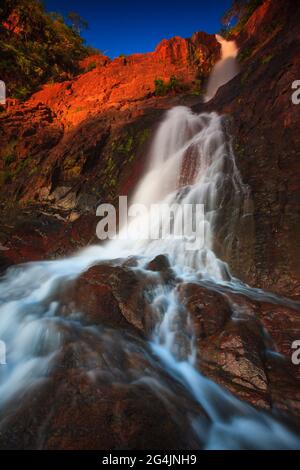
x,y
76,144
264,124
80,142
127,82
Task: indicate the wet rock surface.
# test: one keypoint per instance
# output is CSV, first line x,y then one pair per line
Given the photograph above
x,y
240,349
57,166
263,123
101,154
101,394
113,295
105,388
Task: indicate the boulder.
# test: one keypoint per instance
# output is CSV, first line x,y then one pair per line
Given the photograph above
x,y
111,295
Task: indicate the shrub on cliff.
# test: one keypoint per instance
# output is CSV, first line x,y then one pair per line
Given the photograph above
x,y
241,10
36,47
173,85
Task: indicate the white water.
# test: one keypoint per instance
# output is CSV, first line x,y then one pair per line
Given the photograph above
x,y
225,69
190,162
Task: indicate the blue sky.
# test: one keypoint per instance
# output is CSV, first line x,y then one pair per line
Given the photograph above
x,y
124,27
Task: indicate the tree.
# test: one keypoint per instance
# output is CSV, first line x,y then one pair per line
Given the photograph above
x,y
237,10
40,48
241,10
78,23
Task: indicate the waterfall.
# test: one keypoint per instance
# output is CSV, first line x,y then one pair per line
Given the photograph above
x,y
190,162
225,69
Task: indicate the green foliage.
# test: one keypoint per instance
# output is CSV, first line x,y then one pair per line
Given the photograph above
x,y
242,10
160,87
9,159
77,22
124,146
90,50
245,77
9,153
37,47
197,87
266,59
143,136
4,177
33,171
129,142
174,85
123,151
23,164
91,66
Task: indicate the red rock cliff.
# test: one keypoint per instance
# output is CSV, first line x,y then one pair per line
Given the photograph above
x,y
127,81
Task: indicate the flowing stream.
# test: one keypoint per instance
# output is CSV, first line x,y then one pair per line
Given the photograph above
x,y
191,162
225,69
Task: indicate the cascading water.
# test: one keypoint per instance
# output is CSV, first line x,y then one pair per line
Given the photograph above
x,y
225,69
190,163
198,143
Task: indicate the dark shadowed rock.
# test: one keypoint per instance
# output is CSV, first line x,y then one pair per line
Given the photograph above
x,y
238,342
111,295
230,351
263,122
102,394
162,265
63,154
209,310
